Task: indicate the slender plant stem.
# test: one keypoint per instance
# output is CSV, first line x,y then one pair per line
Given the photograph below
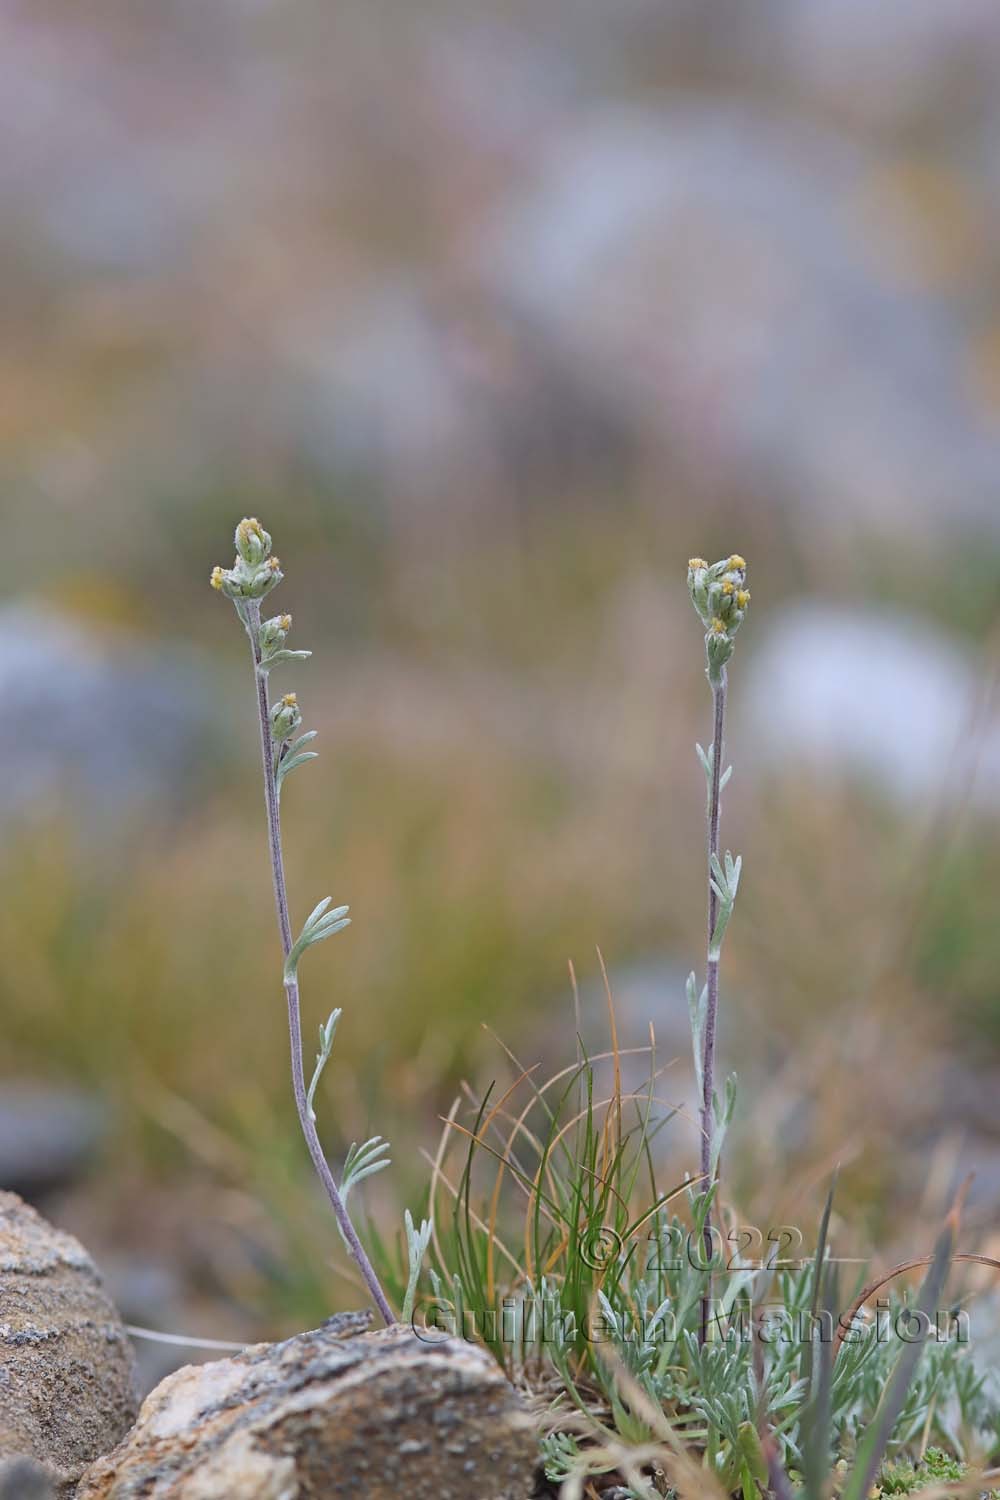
x,y
712,981
291,985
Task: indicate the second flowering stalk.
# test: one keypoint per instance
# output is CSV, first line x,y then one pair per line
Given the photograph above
x,y
720,596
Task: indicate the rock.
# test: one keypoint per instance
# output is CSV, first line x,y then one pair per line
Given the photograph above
x,y
321,1415
757,321
66,1387
884,697
23,1479
888,64
651,990
48,1135
152,1294
112,725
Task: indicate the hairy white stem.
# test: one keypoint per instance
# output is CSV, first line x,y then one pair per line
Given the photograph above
x,y
712,981
252,615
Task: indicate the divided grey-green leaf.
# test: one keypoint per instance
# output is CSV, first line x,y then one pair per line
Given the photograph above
x,y
417,1241
319,924
281,655
327,1032
697,1005
303,739
318,911
363,1161
291,761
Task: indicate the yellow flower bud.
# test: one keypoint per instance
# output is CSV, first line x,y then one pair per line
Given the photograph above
x,y
694,563
742,598
736,561
273,633
285,718
216,579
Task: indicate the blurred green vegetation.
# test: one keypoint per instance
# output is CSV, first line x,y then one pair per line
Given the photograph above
x,y
203,305
505,782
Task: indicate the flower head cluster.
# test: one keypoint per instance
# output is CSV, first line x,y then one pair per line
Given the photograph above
x,y
286,717
273,633
254,572
720,595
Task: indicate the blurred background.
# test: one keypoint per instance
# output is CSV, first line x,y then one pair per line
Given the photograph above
x,y
494,313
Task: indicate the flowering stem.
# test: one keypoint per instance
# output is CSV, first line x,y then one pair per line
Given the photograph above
x,y
720,596
251,612
712,979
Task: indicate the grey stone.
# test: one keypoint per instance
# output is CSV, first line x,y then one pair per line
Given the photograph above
x,y
66,1377
151,1294
886,698
888,64
23,1479
100,726
48,1135
327,1416
711,272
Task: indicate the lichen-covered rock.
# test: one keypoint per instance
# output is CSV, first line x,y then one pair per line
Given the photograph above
x,y
66,1373
323,1416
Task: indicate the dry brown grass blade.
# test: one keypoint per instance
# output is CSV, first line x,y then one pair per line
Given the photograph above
x,y
972,1485
900,1270
598,1177
550,1082
556,1255
507,1142
540,1092
496,1110
437,1175
519,1129
525,1073
479,1223
634,1096
485,1146
613,1026
613,1456
508,1162
603,1183
492,1227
